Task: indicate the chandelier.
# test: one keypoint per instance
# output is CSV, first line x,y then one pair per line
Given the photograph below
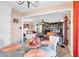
x,y
29,3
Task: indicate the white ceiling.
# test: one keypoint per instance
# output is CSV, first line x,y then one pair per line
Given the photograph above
x,y
24,7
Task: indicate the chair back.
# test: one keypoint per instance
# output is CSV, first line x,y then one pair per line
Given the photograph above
x,y
55,40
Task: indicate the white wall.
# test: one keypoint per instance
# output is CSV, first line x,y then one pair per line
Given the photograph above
x,y
52,17
5,22
15,27
71,33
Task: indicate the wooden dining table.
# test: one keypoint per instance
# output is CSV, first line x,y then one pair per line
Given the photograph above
x,y
11,48
36,53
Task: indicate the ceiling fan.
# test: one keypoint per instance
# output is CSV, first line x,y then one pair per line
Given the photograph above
x,y
29,3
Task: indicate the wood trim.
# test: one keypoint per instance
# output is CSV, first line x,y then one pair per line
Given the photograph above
x,y
65,31
75,28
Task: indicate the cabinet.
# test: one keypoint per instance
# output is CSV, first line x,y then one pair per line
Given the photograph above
x,y
52,27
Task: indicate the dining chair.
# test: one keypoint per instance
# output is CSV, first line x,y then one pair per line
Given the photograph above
x,y
55,40
51,49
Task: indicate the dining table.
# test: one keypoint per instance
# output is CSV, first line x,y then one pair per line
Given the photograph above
x,y
11,48
39,50
36,53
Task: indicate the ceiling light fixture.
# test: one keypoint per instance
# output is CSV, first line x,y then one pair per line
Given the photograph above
x,y
29,3
20,2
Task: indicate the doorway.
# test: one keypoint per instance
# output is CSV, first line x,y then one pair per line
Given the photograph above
x,y
68,43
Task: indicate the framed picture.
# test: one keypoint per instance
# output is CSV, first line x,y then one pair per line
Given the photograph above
x,y
26,25
15,20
